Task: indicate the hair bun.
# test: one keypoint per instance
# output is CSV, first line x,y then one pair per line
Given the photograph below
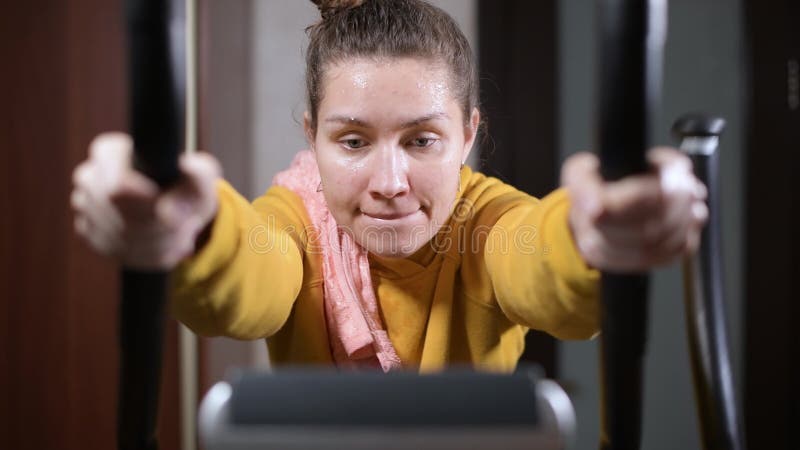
x,y
328,8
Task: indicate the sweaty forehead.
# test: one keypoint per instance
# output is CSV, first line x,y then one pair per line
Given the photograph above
x,y
414,79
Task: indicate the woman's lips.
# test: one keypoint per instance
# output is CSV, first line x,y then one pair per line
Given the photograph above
x,y
389,216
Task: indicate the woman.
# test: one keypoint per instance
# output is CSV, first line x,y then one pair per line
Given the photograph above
x,y
378,247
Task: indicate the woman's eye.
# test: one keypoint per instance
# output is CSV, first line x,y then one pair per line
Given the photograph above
x,y
422,142
353,143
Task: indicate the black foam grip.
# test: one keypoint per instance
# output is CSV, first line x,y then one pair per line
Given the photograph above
x,y
628,88
156,95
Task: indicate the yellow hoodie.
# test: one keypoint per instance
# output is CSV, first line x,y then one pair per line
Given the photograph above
x,y
505,262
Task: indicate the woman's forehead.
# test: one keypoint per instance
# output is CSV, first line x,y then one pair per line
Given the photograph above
x,y
406,88
430,66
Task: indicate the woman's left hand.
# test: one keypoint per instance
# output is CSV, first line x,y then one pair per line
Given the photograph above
x,y
639,222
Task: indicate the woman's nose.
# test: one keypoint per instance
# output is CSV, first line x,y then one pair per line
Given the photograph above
x,y
389,176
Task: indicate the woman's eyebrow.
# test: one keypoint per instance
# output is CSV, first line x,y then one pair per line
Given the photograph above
x,y
349,120
426,118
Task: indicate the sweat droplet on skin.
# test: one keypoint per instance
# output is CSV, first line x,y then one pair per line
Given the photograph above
x,y
439,92
355,167
360,80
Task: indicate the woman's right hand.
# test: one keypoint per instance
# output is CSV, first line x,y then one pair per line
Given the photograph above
x,y
123,214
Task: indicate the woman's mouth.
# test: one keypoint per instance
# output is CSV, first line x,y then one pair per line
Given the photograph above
x,y
389,215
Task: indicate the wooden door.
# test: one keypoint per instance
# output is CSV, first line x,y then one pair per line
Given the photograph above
x,y
62,81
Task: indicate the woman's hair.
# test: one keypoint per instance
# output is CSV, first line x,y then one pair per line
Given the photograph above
x,y
388,29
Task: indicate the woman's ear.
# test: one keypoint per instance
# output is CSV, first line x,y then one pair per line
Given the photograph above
x,y
308,129
470,133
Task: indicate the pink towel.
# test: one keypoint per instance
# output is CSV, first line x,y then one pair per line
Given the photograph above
x,y
357,335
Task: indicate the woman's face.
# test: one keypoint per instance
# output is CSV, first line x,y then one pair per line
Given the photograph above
x,y
390,142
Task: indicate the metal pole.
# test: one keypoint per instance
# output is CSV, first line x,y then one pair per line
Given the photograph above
x,y
703,296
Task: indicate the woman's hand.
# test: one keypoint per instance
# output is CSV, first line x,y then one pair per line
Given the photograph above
x,y
123,214
639,222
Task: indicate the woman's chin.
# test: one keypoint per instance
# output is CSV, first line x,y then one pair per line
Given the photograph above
x,y
388,247
390,238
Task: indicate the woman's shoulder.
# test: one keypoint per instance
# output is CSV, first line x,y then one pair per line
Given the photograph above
x,y
483,199
479,191
280,199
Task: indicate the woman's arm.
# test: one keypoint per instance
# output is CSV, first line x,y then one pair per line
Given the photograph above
x,y
243,282
538,276
238,276
544,280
